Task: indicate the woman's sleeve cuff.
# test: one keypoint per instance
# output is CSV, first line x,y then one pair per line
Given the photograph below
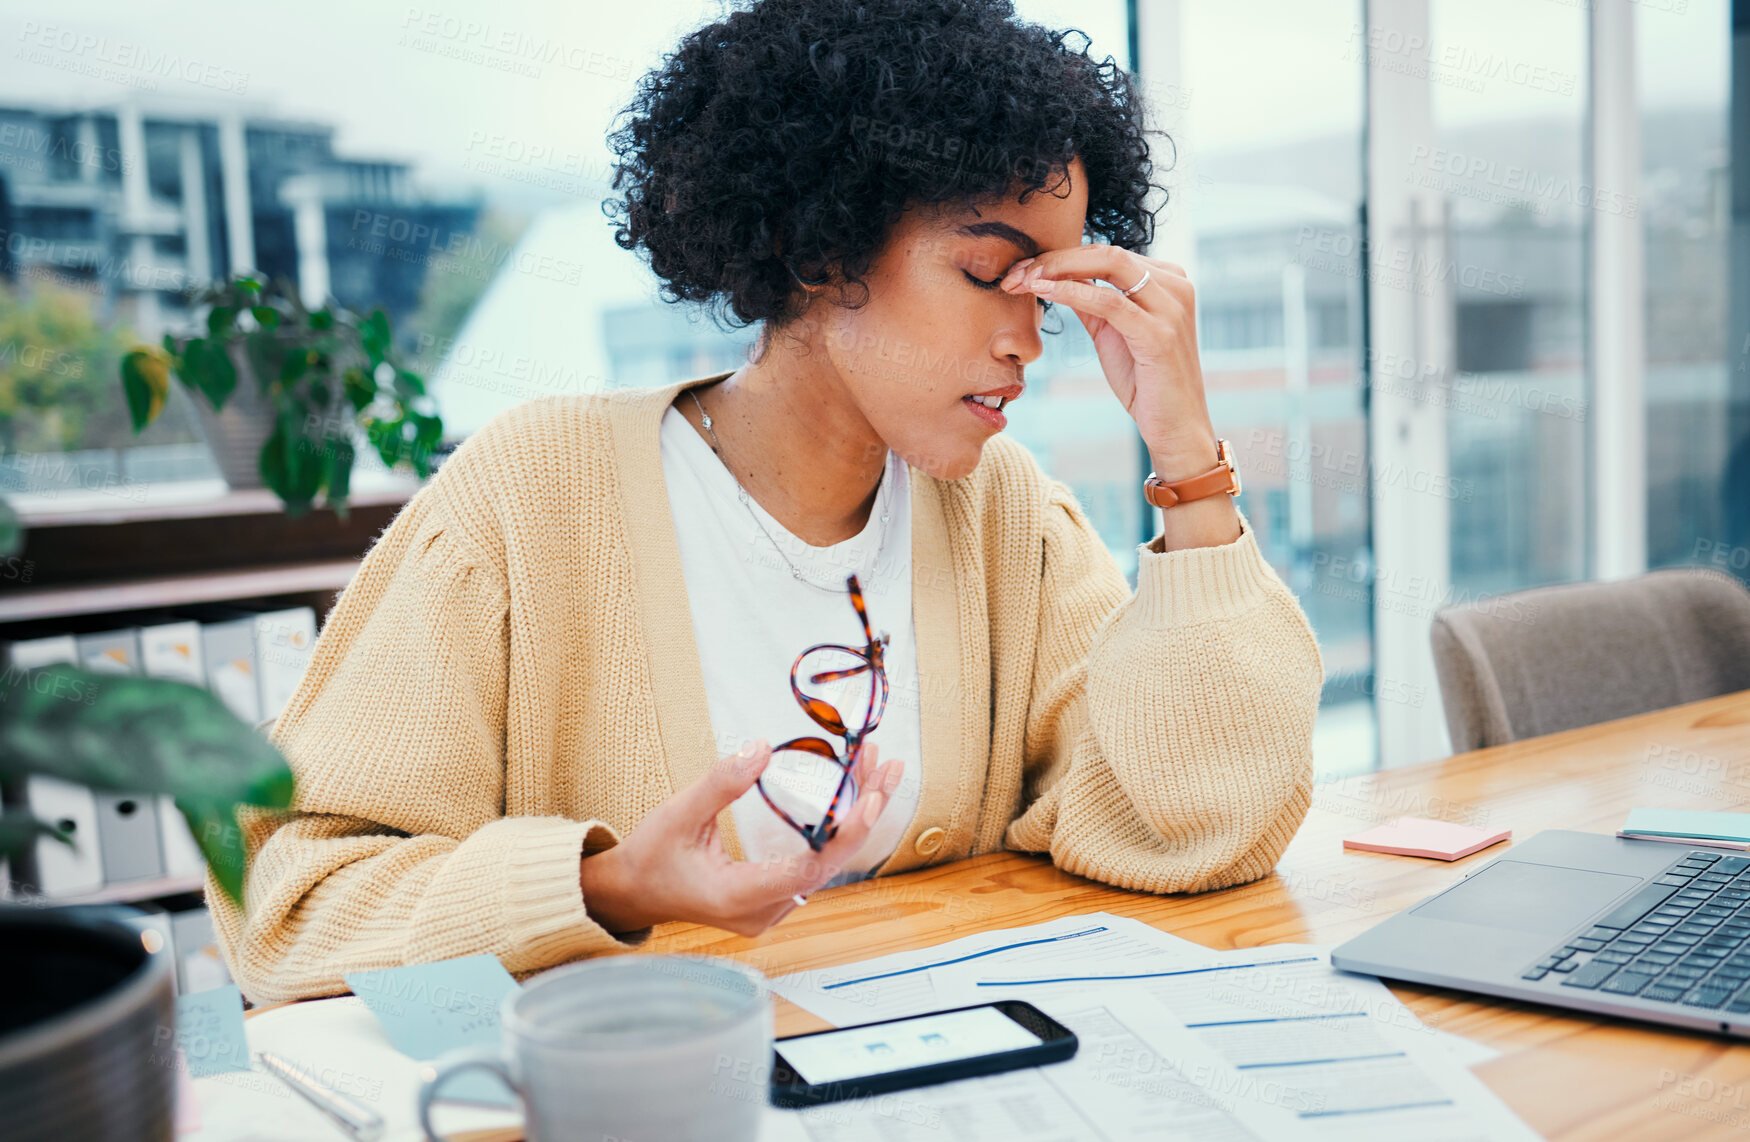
x,y
542,897
1201,584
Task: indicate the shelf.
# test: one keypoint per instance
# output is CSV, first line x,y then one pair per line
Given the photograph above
x,y
185,499
186,543
128,892
27,604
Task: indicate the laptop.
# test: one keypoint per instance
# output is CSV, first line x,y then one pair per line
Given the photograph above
x,y
1639,929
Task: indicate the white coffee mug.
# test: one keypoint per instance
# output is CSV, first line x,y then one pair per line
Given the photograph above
x,y
640,1048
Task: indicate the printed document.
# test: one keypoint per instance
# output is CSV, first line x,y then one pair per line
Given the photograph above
x,y
1283,1029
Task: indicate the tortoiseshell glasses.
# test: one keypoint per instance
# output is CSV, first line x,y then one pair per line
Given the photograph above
x,y
810,783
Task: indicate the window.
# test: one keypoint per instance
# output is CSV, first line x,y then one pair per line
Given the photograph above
x,y
1697,338
1267,221
1508,87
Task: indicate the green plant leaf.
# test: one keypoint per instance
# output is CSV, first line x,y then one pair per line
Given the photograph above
x,y
221,320
272,464
287,463
360,389
221,843
146,381
310,472
374,331
145,736
266,316
208,367
322,319
264,354
294,366
337,457
287,470
385,436
428,430
191,366
408,384
428,434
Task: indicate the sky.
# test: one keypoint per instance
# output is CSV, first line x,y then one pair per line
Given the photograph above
x,y
460,88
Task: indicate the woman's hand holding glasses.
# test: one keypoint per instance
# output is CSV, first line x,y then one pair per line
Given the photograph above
x,y
673,866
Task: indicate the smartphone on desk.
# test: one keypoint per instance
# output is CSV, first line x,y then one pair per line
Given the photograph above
x,y
917,1050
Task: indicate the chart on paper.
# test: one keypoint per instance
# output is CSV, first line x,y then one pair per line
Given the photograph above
x,y
908,983
1355,1063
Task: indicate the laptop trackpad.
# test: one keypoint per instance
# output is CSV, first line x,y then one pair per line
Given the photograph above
x,y
1528,897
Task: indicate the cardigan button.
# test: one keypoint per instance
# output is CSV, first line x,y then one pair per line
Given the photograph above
x,y
929,842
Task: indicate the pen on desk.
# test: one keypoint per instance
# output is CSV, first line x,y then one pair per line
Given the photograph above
x,y
360,1122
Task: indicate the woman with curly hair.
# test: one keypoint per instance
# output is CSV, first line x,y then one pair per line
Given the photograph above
x,y
519,731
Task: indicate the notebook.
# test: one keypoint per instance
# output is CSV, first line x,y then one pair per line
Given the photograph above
x,y
341,1043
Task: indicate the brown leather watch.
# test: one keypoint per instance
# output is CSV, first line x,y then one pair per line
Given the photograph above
x,y
1221,478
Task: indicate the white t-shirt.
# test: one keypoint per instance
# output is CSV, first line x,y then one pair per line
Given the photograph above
x,y
751,618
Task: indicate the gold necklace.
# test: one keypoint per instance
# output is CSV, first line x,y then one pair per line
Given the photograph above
x,y
795,571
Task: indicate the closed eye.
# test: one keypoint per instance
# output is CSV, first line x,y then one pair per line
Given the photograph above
x,y
982,284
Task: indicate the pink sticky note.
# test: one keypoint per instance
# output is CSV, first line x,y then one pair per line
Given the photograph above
x,y
1419,837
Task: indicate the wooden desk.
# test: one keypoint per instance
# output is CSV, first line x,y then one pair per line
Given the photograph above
x,y
1570,1076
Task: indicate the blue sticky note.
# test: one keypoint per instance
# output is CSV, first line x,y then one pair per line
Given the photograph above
x,y
209,1029
1689,823
427,1009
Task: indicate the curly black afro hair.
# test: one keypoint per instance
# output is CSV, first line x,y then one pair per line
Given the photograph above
x,y
809,126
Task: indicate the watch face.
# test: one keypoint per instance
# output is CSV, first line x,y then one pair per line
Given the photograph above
x,y
1224,453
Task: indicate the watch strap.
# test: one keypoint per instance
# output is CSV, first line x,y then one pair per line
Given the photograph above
x,y
1221,478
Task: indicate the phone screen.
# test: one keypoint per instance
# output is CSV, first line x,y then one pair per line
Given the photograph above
x,y
856,1052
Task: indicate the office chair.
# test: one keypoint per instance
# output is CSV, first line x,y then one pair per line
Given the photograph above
x,y
1553,658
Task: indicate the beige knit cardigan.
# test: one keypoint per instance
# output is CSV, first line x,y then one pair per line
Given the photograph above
x,y
511,682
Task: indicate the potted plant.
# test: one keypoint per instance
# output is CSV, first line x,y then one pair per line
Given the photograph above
x,y
311,377
84,1035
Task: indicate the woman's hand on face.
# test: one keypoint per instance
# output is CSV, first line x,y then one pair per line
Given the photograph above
x,y
1147,343
673,866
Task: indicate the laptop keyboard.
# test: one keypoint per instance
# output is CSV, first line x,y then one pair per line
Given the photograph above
x,y
1683,938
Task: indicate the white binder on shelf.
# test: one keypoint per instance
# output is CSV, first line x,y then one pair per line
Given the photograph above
x,y
127,831
35,653
228,646
282,641
172,649
59,870
127,823
283,644
111,651
182,856
50,867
